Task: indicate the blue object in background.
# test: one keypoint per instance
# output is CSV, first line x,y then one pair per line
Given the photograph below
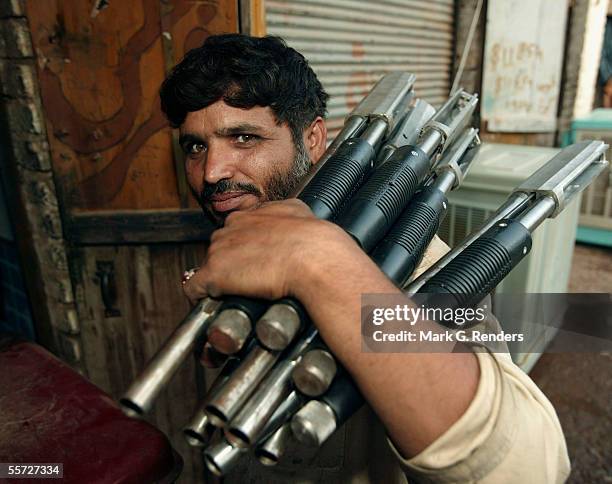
x,y
15,315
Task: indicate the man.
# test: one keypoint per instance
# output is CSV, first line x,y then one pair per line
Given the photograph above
x,y
250,113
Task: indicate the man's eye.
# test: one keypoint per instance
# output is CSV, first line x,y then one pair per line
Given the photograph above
x,y
195,148
245,138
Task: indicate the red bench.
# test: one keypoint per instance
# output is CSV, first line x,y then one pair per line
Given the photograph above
x,y
51,414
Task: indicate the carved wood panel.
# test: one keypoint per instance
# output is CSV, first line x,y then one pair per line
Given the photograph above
x,y
100,72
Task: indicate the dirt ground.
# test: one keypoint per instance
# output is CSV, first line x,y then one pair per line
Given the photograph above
x,y
580,384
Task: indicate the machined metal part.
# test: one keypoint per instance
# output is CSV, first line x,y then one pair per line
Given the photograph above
x,y
278,326
431,142
567,174
199,430
141,394
314,373
408,129
287,408
241,384
449,121
222,456
246,427
229,331
375,133
387,99
461,115
445,181
270,452
533,216
455,159
515,204
314,423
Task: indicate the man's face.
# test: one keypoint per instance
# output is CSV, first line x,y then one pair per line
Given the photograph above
x,y
237,159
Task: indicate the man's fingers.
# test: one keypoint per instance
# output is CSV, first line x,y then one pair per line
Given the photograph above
x,y
195,287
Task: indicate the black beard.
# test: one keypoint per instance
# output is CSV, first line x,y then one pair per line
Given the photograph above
x,y
278,187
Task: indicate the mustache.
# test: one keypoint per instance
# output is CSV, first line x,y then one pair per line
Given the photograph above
x,y
224,186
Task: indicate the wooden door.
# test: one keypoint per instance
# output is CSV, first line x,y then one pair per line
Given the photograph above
x,y
130,224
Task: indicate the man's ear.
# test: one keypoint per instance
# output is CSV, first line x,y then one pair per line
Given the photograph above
x,y
315,139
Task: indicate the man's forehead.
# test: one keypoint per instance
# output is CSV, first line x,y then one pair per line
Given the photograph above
x,y
220,116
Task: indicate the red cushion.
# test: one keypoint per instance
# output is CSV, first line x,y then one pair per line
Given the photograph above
x,y
51,414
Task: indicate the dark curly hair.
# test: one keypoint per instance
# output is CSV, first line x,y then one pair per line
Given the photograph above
x,y
245,72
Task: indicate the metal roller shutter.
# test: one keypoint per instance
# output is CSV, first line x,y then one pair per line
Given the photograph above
x,y
351,43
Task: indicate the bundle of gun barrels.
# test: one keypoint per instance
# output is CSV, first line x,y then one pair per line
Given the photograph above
x,y
384,180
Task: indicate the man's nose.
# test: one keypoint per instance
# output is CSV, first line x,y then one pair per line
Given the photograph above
x,y
220,163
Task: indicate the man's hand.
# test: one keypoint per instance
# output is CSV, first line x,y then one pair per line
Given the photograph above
x,y
272,252
281,249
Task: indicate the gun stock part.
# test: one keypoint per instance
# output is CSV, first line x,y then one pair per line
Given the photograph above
x,y
315,372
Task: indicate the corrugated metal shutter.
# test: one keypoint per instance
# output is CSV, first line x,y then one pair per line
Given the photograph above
x,y
352,43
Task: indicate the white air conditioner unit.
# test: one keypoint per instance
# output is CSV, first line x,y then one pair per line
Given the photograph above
x,y
495,172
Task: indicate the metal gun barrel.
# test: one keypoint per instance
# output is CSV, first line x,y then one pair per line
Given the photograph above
x,y
241,384
141,394
270,452
408,130
232,327
200,428
245,428
222,456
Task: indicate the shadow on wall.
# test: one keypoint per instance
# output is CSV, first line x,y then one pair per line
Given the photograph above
x,y
15,315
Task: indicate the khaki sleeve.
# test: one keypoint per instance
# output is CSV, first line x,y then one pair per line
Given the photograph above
x,y
509,433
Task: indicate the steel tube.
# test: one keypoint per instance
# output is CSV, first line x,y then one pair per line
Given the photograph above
x,y
242,383
375,132
221,457
278,326
271,451
140,396
246,427
314,423
536,214
200,428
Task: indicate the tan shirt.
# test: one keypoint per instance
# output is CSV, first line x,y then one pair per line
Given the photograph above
x,y
509,433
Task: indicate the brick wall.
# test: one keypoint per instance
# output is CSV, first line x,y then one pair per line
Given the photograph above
x,y
31,192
